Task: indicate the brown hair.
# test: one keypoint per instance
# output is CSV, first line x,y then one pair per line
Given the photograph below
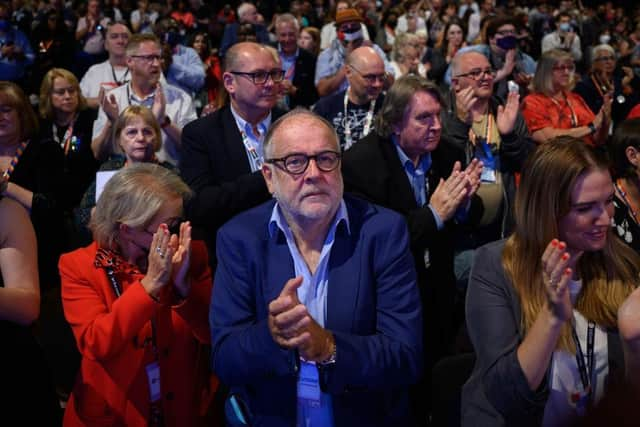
x,y
16,98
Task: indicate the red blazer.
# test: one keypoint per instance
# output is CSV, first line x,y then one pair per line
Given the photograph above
x,y
111,388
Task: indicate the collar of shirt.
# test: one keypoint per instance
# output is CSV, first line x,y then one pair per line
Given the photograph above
x,y
133,98
423,165
277,220
246,127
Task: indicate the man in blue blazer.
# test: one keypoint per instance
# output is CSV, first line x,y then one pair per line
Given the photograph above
x,y
315,314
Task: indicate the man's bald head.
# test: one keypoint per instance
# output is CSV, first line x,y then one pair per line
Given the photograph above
x,y
366,74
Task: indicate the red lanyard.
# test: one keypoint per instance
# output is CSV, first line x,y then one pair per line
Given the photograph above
x,y
16,159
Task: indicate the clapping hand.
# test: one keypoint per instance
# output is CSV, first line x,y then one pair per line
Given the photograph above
x,y
159,266
449,194
181,260
557,269
507,114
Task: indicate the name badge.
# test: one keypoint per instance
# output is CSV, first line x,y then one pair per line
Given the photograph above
x,y
488,175
153,377
580,399
309,384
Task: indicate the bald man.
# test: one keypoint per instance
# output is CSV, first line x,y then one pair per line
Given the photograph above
x,y
222,152
351,111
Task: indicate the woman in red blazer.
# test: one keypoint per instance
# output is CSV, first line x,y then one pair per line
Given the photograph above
x,y
137,300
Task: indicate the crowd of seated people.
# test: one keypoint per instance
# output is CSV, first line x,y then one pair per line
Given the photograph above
x,y
485,134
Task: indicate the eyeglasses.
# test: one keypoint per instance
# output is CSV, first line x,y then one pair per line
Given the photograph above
x,y
261,77
148,58
133,132
477,73
297,163
570,68
504,33
370,78
60,92
605,58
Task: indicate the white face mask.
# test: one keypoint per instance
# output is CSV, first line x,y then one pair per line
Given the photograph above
x,y
605,39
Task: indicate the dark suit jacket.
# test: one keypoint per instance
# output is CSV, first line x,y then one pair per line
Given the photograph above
x,y
372,309
214,164
372,169
230,36
303,79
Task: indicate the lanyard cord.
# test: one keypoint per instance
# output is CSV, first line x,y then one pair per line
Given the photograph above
x,y
586,371
347,126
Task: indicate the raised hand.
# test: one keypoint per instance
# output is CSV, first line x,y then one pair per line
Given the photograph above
x,y
286,315
465,100
507,114
449,194
110,106
159,104
181,260
159,263
557,269
474,174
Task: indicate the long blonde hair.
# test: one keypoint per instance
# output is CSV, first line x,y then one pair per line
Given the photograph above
x,y
543,199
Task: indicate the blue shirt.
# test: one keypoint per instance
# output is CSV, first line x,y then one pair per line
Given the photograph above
x,y
14,69
253,144
313,294
417,177
186,70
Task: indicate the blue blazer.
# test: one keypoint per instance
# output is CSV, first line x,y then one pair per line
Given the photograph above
x,y
373,310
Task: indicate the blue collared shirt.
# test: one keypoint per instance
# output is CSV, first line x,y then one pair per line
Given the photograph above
x,y
313,294
254,141
418,179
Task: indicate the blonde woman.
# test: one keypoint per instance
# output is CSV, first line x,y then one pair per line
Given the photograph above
x,y
543,306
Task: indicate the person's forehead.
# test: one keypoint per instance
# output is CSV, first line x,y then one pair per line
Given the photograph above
x,y
474,60
285,27
506,27
423,102
256,59
117,29
61,82
368,62
287,138
148,48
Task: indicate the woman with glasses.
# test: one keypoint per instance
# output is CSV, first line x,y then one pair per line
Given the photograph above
x,y
137,301
552,312
607,78
67,124
136,138
553,110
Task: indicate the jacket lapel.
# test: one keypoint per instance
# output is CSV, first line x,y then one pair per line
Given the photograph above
x,y
236,152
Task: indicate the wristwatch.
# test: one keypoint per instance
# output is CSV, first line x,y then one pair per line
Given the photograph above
x,y
331,359
592,128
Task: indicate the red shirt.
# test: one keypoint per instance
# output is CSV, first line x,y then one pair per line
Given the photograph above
x,y
541,111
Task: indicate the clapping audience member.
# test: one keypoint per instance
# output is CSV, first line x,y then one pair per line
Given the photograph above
x,y
137,300
558,289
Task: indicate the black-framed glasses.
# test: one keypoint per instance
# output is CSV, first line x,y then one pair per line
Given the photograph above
x,y
260,77
148,58
297,163
370,78
478,73
605,58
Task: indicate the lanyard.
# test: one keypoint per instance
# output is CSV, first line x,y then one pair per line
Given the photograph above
x,y
585,374
156,418
488,158
119,82
251,149
348,142
574,118
68,140
15,160
633,210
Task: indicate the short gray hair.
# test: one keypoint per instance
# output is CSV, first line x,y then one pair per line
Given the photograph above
x,y
600,47
286,18
296,113
244,6
133,196
398,99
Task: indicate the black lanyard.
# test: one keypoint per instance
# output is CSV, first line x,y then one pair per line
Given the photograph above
x,y
124,76
585,375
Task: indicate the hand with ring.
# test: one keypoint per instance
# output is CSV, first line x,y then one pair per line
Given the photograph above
x,y
159,263
557,269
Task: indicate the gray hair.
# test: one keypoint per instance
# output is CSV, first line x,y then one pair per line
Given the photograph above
x,y
402,41
133,196
285,18
243,8
298,112
598,48
542,80
398,99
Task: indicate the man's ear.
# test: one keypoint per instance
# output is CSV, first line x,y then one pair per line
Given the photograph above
x,y
227,80
267,174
